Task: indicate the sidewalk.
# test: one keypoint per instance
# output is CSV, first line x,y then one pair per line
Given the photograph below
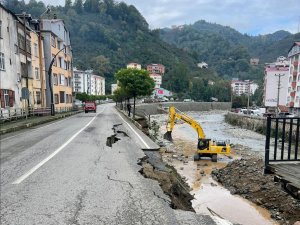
x,y
11,126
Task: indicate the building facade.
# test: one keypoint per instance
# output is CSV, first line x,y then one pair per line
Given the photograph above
x,y
57,44
97,85
274,73
293,93
157,79
133,65
243,87
87,82
114,87
156,69
10,71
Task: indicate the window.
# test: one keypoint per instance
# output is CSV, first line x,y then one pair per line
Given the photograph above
x,y
16,49
56,100
70,82
62,96
60,62
55,63
35,50
53,41
0,29
65,65
66,81
7,98
61,79
2,62
55,79
36,73
38,97
298,89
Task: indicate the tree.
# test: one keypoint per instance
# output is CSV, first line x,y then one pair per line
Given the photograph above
x,y
78,5
101,64
135,83
68,4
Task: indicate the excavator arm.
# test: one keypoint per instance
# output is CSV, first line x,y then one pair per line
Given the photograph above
x,y
171,122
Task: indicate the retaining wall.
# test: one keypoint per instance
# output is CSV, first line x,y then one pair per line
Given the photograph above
x,y
154,108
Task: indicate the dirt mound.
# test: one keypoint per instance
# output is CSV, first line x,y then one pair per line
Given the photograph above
x,y
245,177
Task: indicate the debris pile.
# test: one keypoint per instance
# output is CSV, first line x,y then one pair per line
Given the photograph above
x,y
245,177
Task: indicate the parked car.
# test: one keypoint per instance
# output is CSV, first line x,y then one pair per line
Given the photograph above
x,y
90,106
286,114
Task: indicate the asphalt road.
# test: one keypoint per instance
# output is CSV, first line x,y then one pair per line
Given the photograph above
x,y
64,173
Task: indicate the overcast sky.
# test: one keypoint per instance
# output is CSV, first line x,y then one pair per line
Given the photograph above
x,y
252,17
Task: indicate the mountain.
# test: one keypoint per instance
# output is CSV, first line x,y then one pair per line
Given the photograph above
x,y
106,35
227,50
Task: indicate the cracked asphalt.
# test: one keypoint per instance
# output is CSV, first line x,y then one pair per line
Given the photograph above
x,y
86,182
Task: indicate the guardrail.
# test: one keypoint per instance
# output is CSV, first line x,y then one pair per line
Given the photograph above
x,y
19,113
286,140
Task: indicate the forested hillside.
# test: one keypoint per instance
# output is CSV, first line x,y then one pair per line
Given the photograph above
x,y
228,51
106,35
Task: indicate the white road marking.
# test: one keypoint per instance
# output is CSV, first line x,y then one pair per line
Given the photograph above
x,y
147,146
32,170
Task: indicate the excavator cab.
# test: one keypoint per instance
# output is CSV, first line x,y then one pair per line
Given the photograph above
x,y
203,144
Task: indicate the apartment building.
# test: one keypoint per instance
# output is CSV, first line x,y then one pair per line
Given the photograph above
x,y
156,69
293,93
276,75
86,81
57,46
38,90
114,87
82,81
133,65
97,85
243,87
10,71
157,79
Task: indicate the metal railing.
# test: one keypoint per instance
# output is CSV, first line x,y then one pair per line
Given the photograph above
x,y
285,145
11,114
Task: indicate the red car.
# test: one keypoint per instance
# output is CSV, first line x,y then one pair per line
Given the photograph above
x,y
90,106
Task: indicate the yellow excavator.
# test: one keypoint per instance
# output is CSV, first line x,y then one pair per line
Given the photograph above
x,y
206,147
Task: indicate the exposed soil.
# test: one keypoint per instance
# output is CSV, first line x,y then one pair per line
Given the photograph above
x,y
169,180
245,177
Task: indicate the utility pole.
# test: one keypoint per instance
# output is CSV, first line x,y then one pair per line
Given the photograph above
x,y
248,102
278,92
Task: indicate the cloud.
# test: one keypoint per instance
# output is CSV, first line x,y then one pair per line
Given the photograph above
x,y
252,17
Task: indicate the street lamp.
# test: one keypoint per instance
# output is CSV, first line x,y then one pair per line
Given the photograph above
x,y
50,79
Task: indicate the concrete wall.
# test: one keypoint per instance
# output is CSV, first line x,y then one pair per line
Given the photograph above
x,y
153,108
258,124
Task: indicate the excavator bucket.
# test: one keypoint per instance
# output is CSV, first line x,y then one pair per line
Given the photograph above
x,y
168,136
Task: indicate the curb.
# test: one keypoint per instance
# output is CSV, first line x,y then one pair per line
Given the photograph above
x,y
32,124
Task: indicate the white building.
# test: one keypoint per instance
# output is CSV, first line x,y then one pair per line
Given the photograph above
x,y
293,94
82,81
273,71
86,81
243,87
114,87
133,65
202,65
97,85
10,71
157,79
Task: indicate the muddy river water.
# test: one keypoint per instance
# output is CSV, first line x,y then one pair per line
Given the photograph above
x,y
208,193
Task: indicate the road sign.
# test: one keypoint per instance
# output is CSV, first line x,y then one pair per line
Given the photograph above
x,y
25,93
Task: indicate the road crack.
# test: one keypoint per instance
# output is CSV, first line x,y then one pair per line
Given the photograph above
x,y
121,181
78,208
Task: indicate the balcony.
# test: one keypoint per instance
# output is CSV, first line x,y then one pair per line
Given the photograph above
x,y
294,84
295,74
295,63
291,104
293,93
